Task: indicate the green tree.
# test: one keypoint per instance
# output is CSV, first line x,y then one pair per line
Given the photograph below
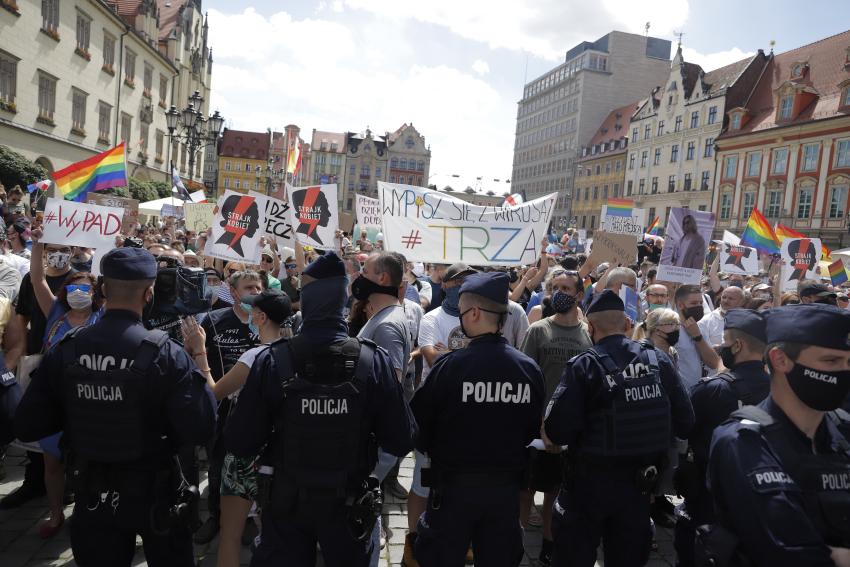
x,y
162,189
142,191
15,169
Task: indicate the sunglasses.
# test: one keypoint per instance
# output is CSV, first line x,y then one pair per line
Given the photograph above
x,y
78,287
266,259
291,266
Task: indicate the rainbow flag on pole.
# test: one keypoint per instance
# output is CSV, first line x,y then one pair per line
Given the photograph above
x,y
653,227
783,232
97,173
759,235
620,207
837,272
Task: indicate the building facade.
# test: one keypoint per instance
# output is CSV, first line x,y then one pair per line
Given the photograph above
x,y
601,169
672,136
786,150
560,111
242,161
410,158
327,164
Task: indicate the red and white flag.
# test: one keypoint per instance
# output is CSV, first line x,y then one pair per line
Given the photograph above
x,y
513,200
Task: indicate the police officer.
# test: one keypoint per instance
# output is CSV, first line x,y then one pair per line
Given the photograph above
x,y
323,403
714,398
779,472
477,413
127,399
616,408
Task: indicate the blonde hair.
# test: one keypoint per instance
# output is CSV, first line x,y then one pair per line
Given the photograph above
x,y
654,319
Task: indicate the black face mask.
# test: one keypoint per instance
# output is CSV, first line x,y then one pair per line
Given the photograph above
x,y
726,356
694,312
673,337
821,391
363,287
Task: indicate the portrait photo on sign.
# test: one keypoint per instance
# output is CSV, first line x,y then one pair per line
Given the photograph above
x,y
686,242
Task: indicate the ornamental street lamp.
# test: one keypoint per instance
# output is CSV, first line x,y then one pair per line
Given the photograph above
x,y
272,176
191,128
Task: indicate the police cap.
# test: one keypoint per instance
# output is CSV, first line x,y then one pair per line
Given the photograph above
x,y
272,302
128,264
816,324
747,321
492,285
607,300
327,266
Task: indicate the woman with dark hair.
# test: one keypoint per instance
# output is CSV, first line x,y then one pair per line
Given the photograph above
x,y
689,251
77,304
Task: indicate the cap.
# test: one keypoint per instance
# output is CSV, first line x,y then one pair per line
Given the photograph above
x,y
327,266
605,301
272,302
267,251
212,272
816,324
747,321
818,289
419,269
457,271
133,242
493,286
128,264
188,253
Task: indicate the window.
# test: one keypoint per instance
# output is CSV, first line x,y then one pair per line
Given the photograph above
x,y
364,170
695,119
753,164
108,52
616,189
709,147
227,166
352,170
647,131
632,161
712,115
674,153
725,206
83,32
774,204
598,169
163,90
78,111
618,165
643,157
629,188
786,106
641,186
837,201
842,154
227,183
595,193
691,149
671,183
46,97
126,124
688,181
634,135
50,15
657,158
144,133
378,171
420,166
394,163
654,188
236,183
248,167
749,204
148,80
810,157
703,184
8,78
846,97
730,167
678,126
130,67
736,121
804,204
104,113
660,128
160,138
780,161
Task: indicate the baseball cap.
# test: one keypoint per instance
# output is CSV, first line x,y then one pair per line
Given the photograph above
x,y
457,270
272,302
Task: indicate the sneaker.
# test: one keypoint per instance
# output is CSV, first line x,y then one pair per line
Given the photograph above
x,y
207,532
21,496
408,560
249,533
545,557
470,557
393,487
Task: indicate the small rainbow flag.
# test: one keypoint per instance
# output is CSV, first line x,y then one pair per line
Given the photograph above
x,y
759,235
837,272
588,284
783,232
653,227
99,172
620,207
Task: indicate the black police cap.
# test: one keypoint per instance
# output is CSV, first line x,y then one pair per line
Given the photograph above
x,y
491,285
815,324
128,264
607,300
272,302
747,321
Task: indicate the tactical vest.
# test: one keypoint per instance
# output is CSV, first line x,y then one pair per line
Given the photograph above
x,y
633,416
323,447
111,415
824,479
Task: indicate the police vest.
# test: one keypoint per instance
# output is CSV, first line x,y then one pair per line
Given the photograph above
x,y
323,447
632,416
824,479
112,415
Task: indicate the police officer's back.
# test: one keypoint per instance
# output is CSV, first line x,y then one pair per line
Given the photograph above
x,y
617,406
477,413
779,472
127,399
323,403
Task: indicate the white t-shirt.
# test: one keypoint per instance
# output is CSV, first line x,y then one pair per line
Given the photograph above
x,y
248,357
516,324
438,327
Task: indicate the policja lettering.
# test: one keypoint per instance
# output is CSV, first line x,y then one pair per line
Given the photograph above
x,y
101,392
773,477
324,406
645,392
836,481
501,392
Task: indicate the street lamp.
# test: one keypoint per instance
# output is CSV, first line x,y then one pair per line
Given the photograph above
x,y
192,128
272,176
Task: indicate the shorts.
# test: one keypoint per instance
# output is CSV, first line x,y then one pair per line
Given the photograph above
x,y
50,445
546,471
416,485
239,476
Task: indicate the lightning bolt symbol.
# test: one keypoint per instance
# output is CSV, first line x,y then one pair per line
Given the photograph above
x,y
238,211
309,201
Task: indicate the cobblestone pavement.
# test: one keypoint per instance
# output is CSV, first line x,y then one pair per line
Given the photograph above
x,y
20,545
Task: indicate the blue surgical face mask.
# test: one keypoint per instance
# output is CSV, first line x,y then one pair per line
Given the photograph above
x,y
246,308
451,301
255,330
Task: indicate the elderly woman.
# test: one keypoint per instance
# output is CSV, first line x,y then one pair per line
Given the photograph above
x,y
661,329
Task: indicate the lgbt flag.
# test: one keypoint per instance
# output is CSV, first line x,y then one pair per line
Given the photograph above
x,y
620,208
99,172
653,227
783,232
759,234
837,272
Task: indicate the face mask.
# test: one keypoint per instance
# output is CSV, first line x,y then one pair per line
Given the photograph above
x,y
255,330
246,308
58,260
451,300
725,354
694,312
821,391
562,302
673,337
363,287
736,284
653,306
79,300
82,266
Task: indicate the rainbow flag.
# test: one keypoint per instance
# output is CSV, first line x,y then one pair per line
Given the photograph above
x,y
99,172
588,284
783,232
653,227
620,207
759,234
837,272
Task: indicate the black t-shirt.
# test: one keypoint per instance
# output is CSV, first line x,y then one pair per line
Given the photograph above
x,y
170,323
28,307
227,339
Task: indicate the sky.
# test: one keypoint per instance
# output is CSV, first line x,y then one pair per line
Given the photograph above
x,y
455,69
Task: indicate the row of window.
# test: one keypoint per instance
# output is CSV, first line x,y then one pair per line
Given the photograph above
x,y
614,192
554,113
809,159
595,61
659,125
553,131
402,163
240,184
672,184
690,153
598,169
542,168
238,166
773,209
546,150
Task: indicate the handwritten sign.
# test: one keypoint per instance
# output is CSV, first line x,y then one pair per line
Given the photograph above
x,y
199,216
129,206
368,213
278,223
737,259
800,257
616,249
618,224
236,229
429,226
314,214
80,224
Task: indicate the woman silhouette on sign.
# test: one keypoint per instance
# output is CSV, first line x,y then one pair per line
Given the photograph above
x,y
312,211
240,217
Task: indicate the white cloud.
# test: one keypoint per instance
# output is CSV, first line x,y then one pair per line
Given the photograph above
x,y
712,61
480,67
337,6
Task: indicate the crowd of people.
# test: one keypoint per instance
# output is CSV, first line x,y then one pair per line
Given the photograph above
x,y
309,376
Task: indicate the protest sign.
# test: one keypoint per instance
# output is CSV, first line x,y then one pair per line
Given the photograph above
x,y
175,211
736,259
616,249
314,214
130,207
199,216
278,223
346,222
622,218
368,213
80,224
429,226
630,302
799,256
731,238
237,229
687,236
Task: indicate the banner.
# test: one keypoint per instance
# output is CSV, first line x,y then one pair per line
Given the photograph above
x,y
368,213
429,226
687,236
130,207
616,249
278,225
621,219
199,216
314,214
800,257
735,259
175,211
237,229
80,224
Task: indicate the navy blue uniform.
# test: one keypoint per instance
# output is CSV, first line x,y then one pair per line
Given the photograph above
x,y
477,413
603,499
714,399
174,408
